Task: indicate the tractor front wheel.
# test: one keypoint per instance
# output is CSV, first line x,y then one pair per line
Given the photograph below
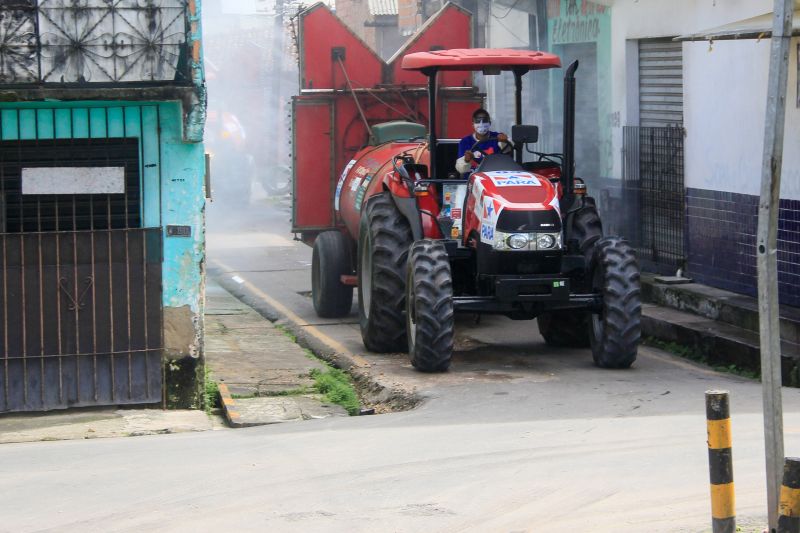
x,y
329,262
571,328
384,239
429,307
615,331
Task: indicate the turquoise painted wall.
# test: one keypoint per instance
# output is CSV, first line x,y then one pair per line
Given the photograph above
x,y
581,21
173,172
182,203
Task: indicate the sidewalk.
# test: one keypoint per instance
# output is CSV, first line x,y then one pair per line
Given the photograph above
x,y
262,373
101,423
254,363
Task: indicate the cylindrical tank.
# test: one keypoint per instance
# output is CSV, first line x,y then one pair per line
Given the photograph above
x,y
364,176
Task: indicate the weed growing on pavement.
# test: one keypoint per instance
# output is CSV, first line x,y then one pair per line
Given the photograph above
x,y
333,384
693,354
283,329
210,391
336,388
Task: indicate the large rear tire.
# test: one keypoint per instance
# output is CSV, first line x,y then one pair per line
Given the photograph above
x,y
429,307
571,328
329,262
616,330
384,239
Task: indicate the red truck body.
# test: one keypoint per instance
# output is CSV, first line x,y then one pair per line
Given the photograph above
x,y
345,86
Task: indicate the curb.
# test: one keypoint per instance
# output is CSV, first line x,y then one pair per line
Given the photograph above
x,y
232,416
327,349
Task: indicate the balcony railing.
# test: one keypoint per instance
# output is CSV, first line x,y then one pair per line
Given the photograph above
x,y
89,42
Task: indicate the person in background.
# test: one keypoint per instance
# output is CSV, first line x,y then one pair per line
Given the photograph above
x,y
469,160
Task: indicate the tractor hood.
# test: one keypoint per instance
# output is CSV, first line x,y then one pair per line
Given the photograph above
x,y
512,189
510,201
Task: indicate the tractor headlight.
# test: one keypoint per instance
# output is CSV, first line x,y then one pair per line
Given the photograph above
x,y
545,241
526,242
517,241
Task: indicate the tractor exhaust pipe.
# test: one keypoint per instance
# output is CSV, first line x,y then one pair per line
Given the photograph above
x,y
431,73
568,172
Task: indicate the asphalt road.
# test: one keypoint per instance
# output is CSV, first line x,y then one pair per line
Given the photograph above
x,y
516,437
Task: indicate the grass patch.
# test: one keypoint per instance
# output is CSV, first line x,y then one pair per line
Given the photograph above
x,y
333,384
210,391
283,329
335,387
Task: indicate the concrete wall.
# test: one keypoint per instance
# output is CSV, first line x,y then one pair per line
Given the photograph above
x,y
182,203
725,105
740,67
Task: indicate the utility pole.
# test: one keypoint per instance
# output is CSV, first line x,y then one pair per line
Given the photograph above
x,y
767,251
278,44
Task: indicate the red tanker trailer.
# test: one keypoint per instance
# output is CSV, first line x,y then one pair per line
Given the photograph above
x,y
514,237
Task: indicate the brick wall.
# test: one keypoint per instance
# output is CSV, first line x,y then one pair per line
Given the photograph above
x,y
408,17
355,13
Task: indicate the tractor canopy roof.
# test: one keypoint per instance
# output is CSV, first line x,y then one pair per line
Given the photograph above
x,y
480,59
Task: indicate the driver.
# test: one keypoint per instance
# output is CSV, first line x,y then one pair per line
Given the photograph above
x,y
469,160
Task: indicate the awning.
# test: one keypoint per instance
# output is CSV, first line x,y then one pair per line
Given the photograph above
x,y
759,27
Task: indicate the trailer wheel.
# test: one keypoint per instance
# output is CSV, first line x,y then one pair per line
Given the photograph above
x,y
615,331
429,307
329,262
571,328
384,239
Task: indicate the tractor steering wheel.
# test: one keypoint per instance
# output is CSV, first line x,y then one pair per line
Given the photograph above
x,y
482,141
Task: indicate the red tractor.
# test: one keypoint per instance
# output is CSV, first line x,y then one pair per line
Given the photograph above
x,y
516,238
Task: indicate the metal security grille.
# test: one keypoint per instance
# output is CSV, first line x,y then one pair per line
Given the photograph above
x,y
74,212
660,83
80,278
81,319
654,191
66,41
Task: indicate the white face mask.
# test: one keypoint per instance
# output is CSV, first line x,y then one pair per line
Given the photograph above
x,y
482,128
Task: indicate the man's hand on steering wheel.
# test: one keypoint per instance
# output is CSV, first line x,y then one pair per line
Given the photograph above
x,y
501,138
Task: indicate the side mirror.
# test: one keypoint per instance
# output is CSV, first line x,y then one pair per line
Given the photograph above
x,y
525,134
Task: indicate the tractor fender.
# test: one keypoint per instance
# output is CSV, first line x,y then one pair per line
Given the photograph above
x,y
406,203
581,203
393,183
408,208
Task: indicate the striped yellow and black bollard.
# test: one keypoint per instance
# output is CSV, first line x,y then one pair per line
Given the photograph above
x,y
720,462
789,510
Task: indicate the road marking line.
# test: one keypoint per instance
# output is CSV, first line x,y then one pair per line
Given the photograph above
x,y
289,314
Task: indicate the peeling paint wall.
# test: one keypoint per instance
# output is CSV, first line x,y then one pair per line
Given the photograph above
x,y
182,204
